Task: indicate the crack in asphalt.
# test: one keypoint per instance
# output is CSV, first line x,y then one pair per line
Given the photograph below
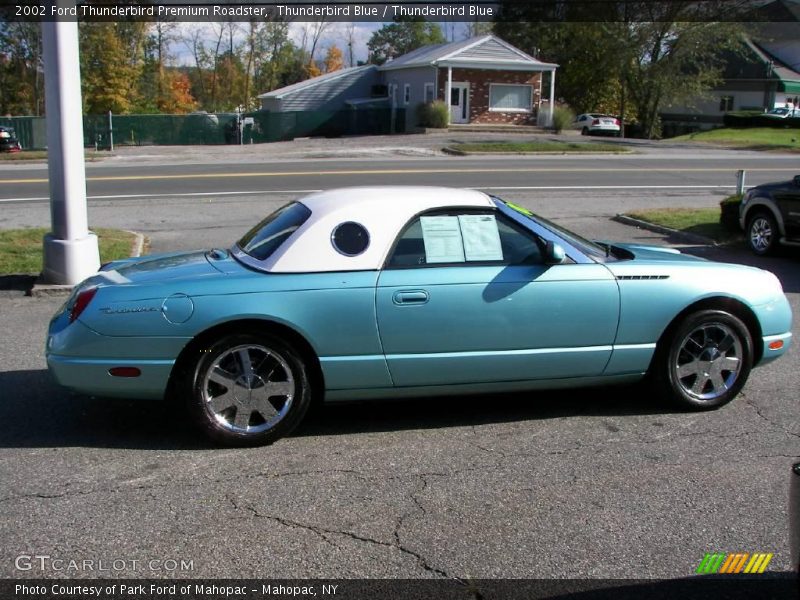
x,y
322,531
758,410
170,484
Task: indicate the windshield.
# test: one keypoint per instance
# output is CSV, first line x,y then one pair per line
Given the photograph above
x,y
582,244
266,237
779,111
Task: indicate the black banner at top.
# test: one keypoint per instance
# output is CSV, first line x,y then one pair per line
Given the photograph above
x,y
383,10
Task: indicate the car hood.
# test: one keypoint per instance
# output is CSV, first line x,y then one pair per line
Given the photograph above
x,y
646,253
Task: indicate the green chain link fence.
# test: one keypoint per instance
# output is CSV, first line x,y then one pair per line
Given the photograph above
x,y
215,128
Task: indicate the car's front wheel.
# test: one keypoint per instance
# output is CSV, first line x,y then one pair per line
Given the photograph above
x,y
248,390
705,361
762,233
585,131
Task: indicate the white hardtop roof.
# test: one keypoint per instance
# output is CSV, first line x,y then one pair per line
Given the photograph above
x,y
382,210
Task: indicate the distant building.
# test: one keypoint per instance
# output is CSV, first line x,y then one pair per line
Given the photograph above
x,y
483,79
765,75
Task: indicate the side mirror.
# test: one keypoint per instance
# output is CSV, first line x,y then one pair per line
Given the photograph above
x,y
554,254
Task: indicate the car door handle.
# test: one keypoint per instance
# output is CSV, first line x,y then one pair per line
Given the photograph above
x,y
404,297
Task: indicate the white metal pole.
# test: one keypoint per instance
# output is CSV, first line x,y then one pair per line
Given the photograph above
x,y
449,90
552,97
70,251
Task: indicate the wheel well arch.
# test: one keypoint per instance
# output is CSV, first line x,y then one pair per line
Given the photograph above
x,y
249,325
760,204
736,307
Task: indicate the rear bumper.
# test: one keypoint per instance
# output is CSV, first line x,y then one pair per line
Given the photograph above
x,y
91,376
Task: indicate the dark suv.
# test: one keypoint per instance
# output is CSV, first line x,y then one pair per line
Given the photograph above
x,y
8,140
770,215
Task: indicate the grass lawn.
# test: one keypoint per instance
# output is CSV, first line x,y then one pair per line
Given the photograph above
x,y
24,155
540,146
91,156
700,221
21,249
757,138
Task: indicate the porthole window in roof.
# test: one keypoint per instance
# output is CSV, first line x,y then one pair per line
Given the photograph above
x,y
350,239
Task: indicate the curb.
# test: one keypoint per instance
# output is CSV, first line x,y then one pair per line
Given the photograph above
x,y
457,152
684,235
138,243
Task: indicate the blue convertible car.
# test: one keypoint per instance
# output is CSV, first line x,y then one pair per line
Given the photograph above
x,y
398,291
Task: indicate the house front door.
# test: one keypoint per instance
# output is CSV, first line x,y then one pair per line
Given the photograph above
x,y
459,103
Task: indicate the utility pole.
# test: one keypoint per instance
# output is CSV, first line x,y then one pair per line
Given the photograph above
x,y
71,252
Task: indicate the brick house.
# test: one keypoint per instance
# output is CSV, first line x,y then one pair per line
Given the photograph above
x,y
483,79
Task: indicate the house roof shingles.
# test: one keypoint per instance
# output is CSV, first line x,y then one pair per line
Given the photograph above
x,y
307,83
482,52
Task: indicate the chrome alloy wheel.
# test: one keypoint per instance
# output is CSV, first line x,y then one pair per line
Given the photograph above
x,y
709,361
761,234
248,389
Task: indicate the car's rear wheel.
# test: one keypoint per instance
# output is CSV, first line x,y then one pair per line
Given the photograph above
x,y
248,390
585,131
762,233
705,360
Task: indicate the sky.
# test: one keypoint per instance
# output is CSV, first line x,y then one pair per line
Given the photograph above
x,y
334,34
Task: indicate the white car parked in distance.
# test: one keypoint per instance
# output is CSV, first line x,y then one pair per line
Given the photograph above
x,y
593,123
783,113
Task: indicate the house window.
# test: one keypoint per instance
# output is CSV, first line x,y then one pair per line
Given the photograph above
x,y
428,93
406,93
510,98
726,103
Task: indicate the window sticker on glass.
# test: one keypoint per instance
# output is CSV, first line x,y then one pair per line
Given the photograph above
x,y
442,239
481,237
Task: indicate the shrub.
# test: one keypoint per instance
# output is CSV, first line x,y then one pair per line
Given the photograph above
x,y
562,118
729,212
433,114
744,119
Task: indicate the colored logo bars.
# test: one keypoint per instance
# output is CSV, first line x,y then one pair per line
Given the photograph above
x,y
737,562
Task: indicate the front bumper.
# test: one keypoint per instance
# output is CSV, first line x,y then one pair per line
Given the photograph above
x,y
771,354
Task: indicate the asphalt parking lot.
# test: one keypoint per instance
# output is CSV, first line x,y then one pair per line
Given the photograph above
x,y
596,483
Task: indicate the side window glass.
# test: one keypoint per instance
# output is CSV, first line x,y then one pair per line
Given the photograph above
x,y
457,239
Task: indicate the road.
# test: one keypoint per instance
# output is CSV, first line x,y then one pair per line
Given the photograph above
x,y
579,484
107,180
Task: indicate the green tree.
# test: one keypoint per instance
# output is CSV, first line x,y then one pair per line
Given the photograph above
x,y
110,68
21,70
640,59
402,36
282,64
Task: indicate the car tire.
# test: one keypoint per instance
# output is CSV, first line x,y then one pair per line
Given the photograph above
x,y
705,361
585,131
762,233
248,390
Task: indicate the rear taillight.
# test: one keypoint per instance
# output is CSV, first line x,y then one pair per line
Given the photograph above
x,y
81,302
596,122
616,122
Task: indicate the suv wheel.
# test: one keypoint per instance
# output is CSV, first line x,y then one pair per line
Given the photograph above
x,y
762,233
